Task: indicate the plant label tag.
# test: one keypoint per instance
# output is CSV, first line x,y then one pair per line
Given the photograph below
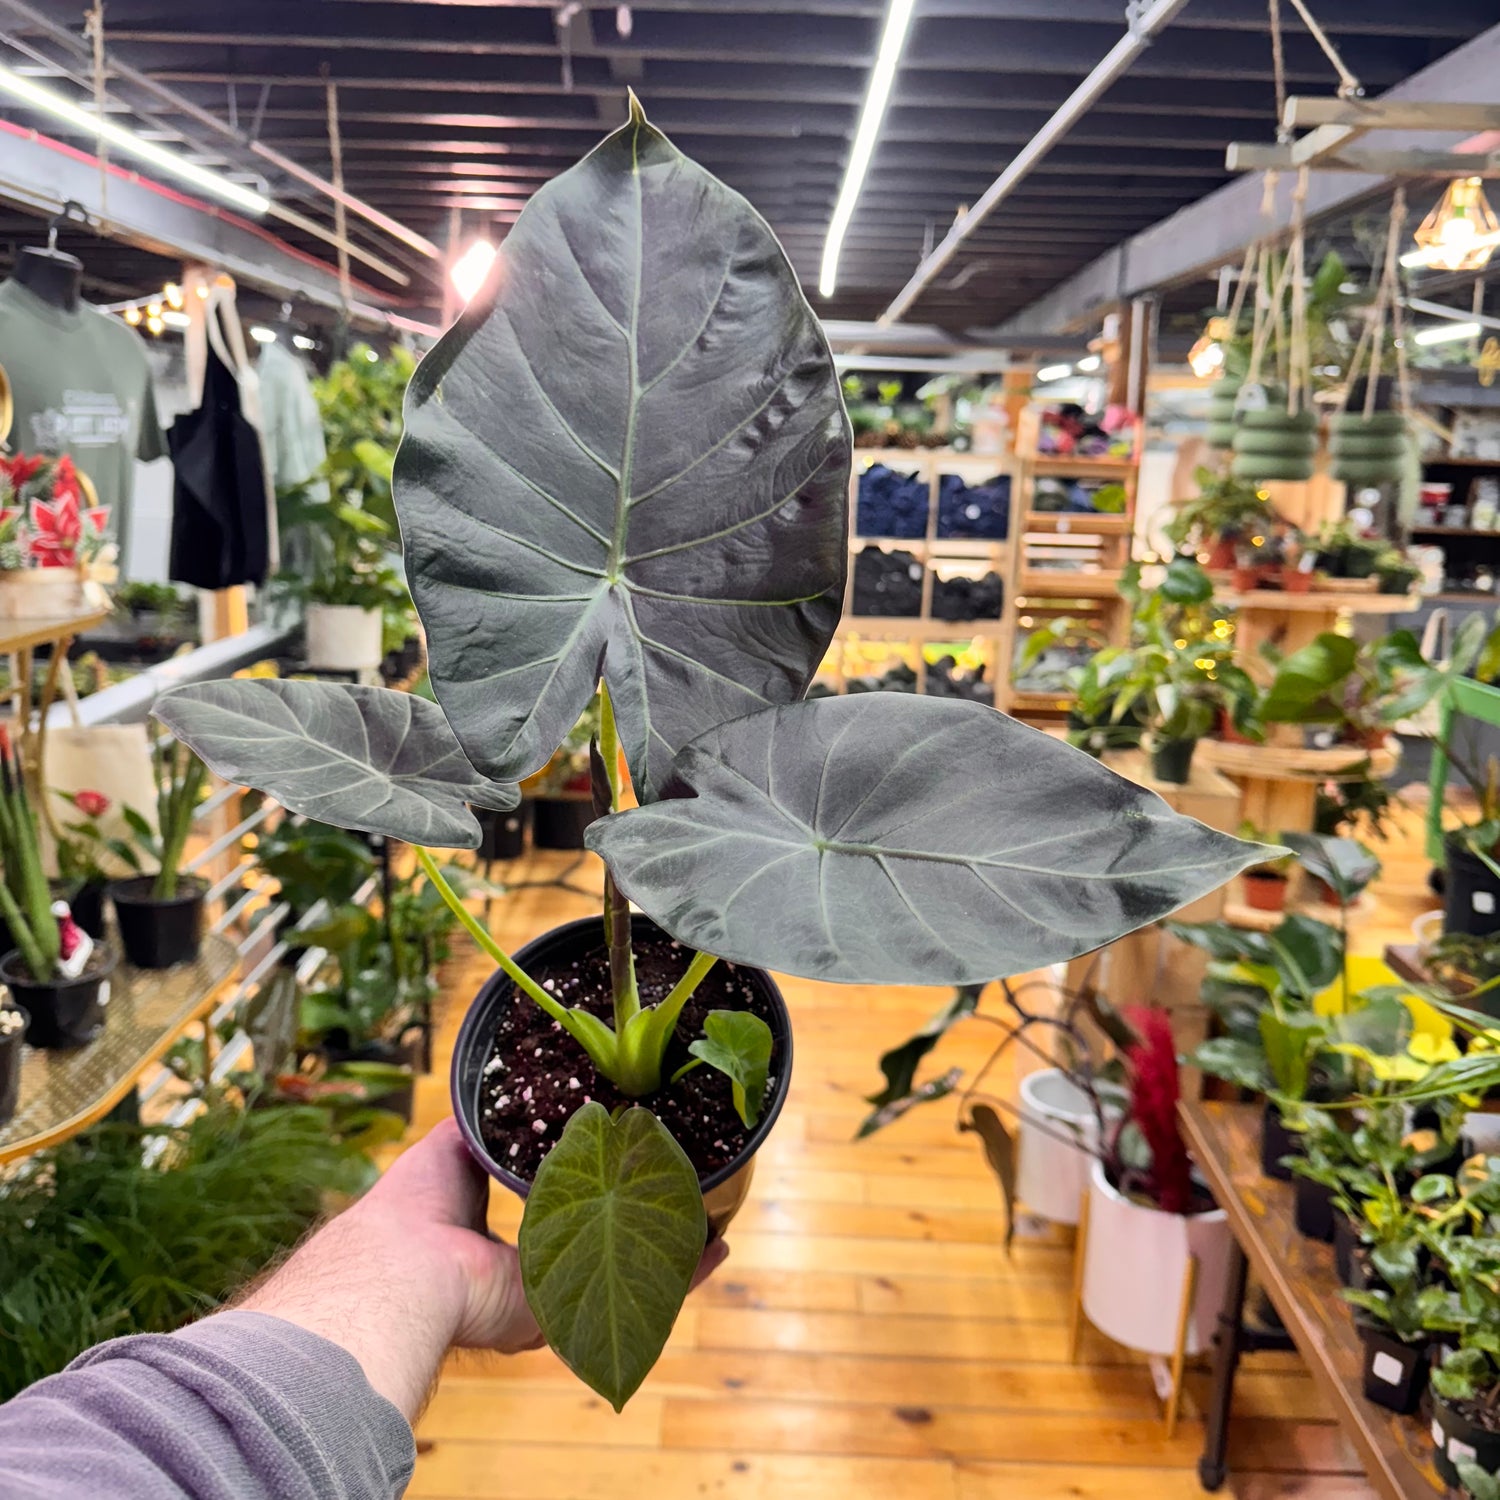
x,y
1484,902
1461,1453
1063,527
73,965
1387,1368
1437,1432
104,994
1252,398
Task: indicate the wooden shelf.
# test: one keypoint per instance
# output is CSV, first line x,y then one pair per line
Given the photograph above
x,y
940,547
1461,463
1079,468
912,628
1100,523
65,1092
1290,763
24,635
1489,531
1061,584
1022,701
1242,914
1272,601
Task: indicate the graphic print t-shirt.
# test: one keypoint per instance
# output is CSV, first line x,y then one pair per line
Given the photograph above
x,y
82,387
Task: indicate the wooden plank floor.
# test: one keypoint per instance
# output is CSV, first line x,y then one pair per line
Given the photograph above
x,y
868,1335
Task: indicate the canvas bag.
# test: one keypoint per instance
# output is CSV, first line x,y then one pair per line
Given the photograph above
x,y
114,759
1437,647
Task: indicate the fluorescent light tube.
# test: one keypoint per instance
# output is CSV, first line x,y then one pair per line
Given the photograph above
x,y
893,39
1089,363
49,102
1446,333
1053,372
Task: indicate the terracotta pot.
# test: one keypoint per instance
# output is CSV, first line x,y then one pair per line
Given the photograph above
x,y
1295,581
1265,891
1220,555
1228,733
1246,579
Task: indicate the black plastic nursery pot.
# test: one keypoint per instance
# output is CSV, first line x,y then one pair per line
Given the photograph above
x,y
1172,760
502,835
1395,1373
559,822
86,902
1457,1438
64,1012
1276,1142
1348,1253
158,934
405,1052
1471,896
10,1058
554,960
1313,1205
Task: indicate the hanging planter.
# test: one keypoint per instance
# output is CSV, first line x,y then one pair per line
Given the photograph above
x,y
1273,443
1221,410
1369,450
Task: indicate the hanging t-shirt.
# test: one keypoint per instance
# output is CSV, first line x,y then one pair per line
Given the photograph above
x,y
82,387
290,424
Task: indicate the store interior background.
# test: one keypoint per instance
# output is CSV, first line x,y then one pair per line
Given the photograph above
x,y
870,1330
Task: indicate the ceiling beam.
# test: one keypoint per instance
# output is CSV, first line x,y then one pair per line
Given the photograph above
x,y
1215,230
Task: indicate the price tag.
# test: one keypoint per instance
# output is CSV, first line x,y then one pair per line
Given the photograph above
x,y
1387,1368
1484,903
1461,1453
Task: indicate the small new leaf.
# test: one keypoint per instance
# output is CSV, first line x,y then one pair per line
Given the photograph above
x,y
613,1231
738,1045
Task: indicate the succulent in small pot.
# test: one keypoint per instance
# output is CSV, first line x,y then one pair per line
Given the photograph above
x,y
56,970
625,471
160,914
13,1023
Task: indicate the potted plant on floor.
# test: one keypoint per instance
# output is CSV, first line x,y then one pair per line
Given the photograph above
x,y
55,971
160,914
629,460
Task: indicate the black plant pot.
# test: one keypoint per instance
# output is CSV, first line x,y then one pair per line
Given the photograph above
x,y
723,1190
10,1064
1314,1210
1471,896
1395,1373
1456,1437
158,934
64,1012
1276,1142
406,1052
559,822
86,902
1172,760
1348,1253
502,835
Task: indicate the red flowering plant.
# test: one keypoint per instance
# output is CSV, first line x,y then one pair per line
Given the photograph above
x,y
1124,1065
86,844
46,518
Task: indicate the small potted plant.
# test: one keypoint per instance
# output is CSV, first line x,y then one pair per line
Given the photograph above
x,y
1225,515
625,470
82,879
1266,885
55,971
1395,572
160,914
13,1023
53,538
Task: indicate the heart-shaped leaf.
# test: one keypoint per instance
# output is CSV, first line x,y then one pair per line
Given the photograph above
x,y
358,757
900,1064
630,450
738,1045
887,839
1300,691
888,1114
613,1230
1344,865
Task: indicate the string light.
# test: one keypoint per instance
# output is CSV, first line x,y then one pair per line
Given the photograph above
x,y
173,293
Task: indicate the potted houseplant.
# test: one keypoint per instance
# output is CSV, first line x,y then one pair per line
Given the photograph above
x,y
629,461
1266,885
55,971
13,1023
1225,513
82,850
160,914
53,538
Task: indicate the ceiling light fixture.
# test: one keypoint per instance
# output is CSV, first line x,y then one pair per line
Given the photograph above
x,y
1089,363
1053,372
1447,333
892,40
469,271
104,129
1461,232
263,335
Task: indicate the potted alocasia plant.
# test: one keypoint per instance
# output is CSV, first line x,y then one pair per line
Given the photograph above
x,y
625,470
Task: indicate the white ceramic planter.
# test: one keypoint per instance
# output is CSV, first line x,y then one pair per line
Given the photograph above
x,y
1133,1269
1051,1175
343,638
40,594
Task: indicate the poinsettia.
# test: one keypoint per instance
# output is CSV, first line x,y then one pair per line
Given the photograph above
x,y
20,467
59,527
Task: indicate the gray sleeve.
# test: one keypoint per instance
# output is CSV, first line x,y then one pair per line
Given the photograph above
x,y
241,1406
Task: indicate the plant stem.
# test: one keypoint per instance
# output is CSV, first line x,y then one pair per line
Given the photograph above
x,y
681,992
622,983
477,931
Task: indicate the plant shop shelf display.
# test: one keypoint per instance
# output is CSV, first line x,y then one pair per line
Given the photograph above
x,y
625,471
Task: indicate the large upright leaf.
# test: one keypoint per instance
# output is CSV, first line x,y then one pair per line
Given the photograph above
x,y
613,1230
358,757
631,450
889,839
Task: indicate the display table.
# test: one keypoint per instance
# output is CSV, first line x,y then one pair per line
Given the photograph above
x,y
65,1092
1298,1276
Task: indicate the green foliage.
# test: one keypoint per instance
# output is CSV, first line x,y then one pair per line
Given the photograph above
x,y
25,900
900,1064
1224,508
738,1044
1344,865
312,862
359,400
98,1244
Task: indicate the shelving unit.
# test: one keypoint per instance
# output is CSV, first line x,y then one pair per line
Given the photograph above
x,y
1465,548
935,554
1066,563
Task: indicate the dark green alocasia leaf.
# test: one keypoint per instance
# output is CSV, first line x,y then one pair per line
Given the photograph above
x,y
630,451
738,1044
888,1114
358,757
900,1064
1308,955
1343,864
613,1230
1000,1153
887,839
